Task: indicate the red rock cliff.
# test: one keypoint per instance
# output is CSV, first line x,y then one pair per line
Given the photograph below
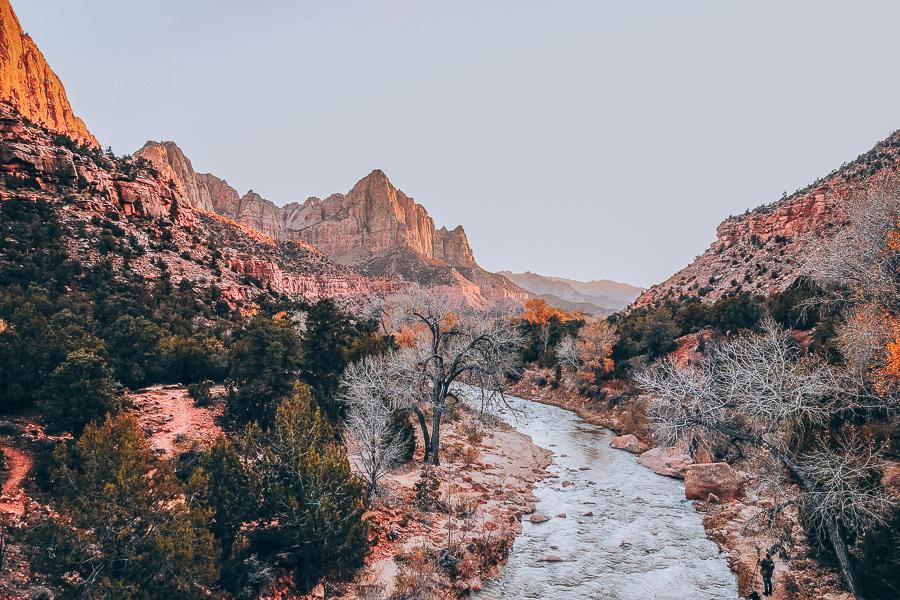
x,y
28,83
764,250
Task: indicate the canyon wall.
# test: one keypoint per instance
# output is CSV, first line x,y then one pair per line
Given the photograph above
x,y
764,250
375,229
28,83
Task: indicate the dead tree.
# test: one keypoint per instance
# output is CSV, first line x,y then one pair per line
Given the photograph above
x,y
453,344
759,391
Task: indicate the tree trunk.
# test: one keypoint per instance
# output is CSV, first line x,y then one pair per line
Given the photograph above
x,y
436,436
833,527
426,439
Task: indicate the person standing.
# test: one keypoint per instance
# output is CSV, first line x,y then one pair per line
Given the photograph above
x,y
767,569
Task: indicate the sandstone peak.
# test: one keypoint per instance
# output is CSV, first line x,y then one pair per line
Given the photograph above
x,y
375,228
28,83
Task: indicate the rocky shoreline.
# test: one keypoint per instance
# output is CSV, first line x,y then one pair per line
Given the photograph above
x,y
486,482
740,518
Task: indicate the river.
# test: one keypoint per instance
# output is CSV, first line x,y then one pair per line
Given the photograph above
x,y
644,540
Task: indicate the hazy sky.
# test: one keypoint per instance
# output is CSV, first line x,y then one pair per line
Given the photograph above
x,y
584,139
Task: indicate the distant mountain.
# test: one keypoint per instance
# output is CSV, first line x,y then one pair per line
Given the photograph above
x,y
604,287
587,308
375,229
602,294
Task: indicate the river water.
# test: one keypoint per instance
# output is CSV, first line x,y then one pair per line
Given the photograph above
x,y
643,542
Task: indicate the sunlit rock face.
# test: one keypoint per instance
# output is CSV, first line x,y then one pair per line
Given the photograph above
x,y
375,229
764,250
28,83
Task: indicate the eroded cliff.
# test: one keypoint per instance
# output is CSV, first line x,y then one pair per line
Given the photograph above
x,y
28,83
763,251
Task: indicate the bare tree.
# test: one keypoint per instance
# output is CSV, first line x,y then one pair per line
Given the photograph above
x,y
567,351
373,446
453,344
759,391
865,254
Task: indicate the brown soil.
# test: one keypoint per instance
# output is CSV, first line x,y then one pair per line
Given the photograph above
x,y
172,420
13,499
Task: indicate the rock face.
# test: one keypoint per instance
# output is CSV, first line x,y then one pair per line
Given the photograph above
x,y
670,462
87,183
763,251
28,83
890,478
717,479
375,229
629,443
28,157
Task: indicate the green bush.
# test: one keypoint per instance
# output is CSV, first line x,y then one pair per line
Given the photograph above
x,y
404,433
311,501
263,365
78,391
123,529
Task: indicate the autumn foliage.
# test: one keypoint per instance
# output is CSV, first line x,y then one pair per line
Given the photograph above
x,y
539,312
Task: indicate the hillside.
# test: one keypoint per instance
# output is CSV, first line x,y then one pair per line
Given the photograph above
x,y
602,294
763,251
103,202
375,229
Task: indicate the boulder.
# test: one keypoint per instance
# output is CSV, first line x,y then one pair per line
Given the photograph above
x,y
629,443
551,558
539,518
717,479
670,462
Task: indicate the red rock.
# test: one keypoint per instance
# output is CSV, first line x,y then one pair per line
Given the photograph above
x,y
890,477
539,518
28,83
718,479
670,462
629,443
551,558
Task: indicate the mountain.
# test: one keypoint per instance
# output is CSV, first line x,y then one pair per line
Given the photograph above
x,y
620,294
604,287
101,202
763,251
375,229
29,84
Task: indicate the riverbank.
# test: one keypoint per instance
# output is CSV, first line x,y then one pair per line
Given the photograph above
x,y
737,527
483,488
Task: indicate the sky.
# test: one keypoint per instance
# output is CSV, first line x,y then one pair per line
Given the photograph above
x,y
581,139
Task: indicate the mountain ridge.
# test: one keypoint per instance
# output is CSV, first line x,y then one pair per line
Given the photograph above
x,y
375,229
763,251
621,294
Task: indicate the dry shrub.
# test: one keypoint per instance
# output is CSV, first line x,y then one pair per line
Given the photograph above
x,y
454,452
790,586
474,435
634,419
470,455
466,506
416,579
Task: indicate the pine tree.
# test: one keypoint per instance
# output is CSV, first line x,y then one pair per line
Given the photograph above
x,y
310,496
123,529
